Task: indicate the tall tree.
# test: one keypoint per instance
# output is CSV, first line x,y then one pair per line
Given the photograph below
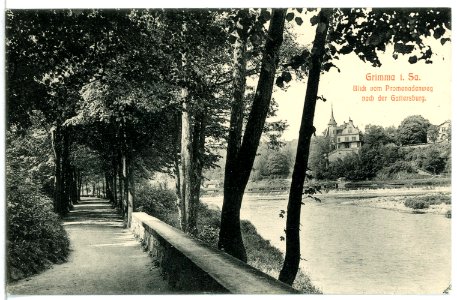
x,y
238,166
197,71
363,31
175,78
292,258
42,63
376,136
413,130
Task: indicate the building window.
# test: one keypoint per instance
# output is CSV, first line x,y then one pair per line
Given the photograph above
x,y
338,140
353,138
350,130
346,139
334,131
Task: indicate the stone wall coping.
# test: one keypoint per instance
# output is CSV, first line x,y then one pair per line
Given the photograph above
x,y
234,275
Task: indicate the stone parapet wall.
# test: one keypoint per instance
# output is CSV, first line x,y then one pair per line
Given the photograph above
x,y
190,266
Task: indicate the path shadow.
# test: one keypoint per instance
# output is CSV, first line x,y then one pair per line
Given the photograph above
x,y
93,211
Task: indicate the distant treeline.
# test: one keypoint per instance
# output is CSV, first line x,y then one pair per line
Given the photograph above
x,y
386,154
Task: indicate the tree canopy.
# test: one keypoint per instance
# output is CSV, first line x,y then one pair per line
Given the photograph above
x,y
413,130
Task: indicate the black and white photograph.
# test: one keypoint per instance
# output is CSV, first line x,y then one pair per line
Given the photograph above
x,y
227,150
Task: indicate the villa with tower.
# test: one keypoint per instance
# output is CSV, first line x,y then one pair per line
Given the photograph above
x,y
344,139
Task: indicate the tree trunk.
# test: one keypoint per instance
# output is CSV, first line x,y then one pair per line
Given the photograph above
x,y
121,183
80,183
57,147
127,176
230,239
129,190
237,107
176,148
114,186
66,172
106,187
292,258
230,234
115,189
103,190
186,162
113,180
125,184
131,193
198,147
74,185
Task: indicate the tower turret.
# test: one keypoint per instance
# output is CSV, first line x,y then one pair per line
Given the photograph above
x,y
332,129
332,121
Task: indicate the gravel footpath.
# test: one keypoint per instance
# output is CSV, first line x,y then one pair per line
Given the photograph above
x,y
105,259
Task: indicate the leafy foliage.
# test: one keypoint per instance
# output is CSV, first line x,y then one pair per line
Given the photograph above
x,y
433,160
158,203
49,54
382,156
413,130
35,236
318,160
377,136
28,153
387,162
278,165
436,199
433,133
368,31
272,163
392,170
416,203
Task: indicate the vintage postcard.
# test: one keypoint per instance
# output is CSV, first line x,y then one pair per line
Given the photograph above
x,y
228,150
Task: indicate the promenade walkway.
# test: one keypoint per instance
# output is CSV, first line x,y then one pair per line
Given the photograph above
x,y
105,259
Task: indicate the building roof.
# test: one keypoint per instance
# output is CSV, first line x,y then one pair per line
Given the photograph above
x,y
445,122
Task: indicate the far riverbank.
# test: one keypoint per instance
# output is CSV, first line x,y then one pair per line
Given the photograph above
x,y
383,198
394,199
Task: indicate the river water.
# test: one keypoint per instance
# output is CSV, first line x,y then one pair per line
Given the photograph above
x,y
352,249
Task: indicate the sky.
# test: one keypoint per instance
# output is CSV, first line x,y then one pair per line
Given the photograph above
x,y
337,88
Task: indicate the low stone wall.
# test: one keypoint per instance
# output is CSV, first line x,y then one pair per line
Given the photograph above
x,y
190,266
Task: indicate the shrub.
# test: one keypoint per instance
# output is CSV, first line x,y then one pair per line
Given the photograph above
x,y
416,203
436,198
158,203
35,235
208,225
